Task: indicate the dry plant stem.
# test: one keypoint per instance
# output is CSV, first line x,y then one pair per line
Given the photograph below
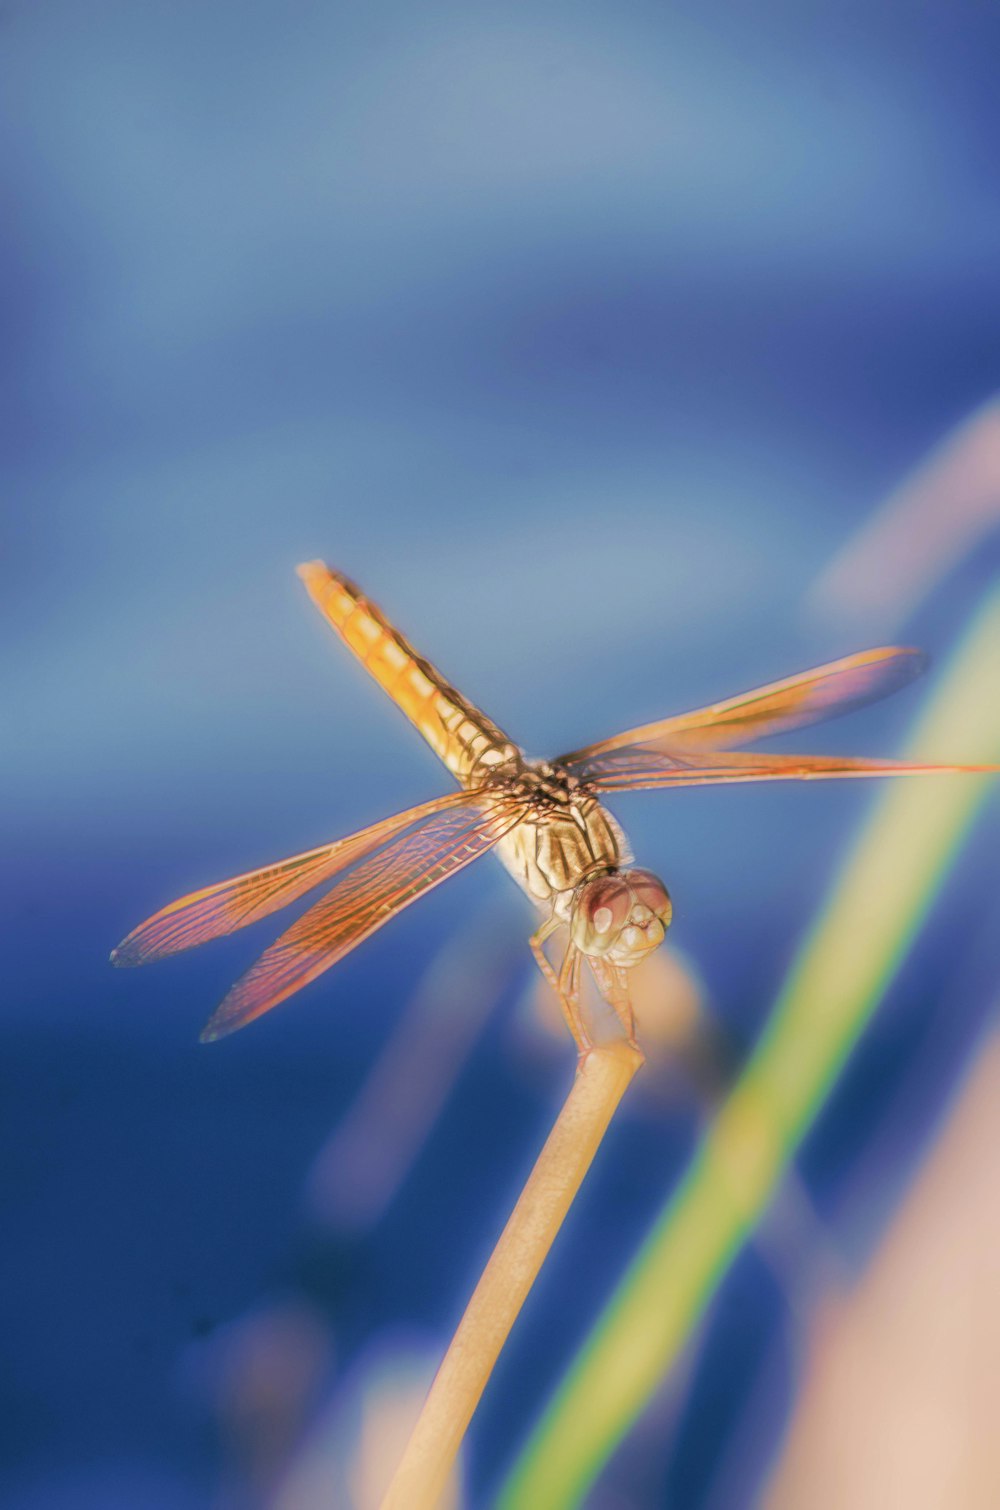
x,y
885,889
602,1080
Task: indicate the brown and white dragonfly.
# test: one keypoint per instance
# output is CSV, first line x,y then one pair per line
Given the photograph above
x,y
545,819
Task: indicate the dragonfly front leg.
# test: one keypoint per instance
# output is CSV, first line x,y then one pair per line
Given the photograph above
x,y
612,982
566,984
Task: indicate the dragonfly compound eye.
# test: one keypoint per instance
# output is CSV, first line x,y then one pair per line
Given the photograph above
x,y
650,894
621,917
601,910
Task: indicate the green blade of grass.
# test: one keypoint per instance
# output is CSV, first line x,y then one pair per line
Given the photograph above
x,y
876,907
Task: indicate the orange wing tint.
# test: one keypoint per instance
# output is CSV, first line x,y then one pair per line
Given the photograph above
x,y
825,692
233,904
382,885
635,768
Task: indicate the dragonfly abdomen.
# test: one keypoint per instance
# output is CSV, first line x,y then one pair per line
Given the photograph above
x,y
466,740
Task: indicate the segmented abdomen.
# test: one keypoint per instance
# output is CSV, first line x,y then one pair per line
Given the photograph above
x,y
456,730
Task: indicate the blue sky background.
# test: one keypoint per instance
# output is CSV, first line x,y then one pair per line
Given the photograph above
x,y
582,336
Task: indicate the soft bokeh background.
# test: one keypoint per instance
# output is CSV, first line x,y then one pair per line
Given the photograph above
x,y
584,336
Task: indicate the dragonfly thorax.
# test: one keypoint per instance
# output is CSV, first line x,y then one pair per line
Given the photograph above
x,y
565,836
621,916
548,784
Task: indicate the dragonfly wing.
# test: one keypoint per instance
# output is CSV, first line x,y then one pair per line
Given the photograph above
x,y
637,768
368,896
825,692
232,904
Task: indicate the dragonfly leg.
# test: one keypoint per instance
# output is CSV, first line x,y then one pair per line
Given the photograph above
x,y
566,984
535,943
612,982
569,999
622,1004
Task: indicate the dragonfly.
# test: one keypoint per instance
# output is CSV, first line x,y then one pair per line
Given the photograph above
x,y
546,821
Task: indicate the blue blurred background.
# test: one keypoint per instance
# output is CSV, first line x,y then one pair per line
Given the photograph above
x,y
583,336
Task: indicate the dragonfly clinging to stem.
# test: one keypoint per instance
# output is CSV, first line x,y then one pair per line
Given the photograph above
x,y
545,819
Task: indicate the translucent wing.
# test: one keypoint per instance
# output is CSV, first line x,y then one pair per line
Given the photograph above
x,y
368,896
636,768
825,692
229,905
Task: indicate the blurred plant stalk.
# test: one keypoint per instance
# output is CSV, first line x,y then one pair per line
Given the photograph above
x,y
369,1154
898,1403
602,1080
883,894
937,516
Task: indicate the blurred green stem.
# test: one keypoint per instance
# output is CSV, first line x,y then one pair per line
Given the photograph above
x,y
877,906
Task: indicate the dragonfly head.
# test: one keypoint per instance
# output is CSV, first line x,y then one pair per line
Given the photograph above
x,y
620,917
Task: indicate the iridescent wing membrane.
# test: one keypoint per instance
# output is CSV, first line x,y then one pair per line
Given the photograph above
x,y
245,899
696,748
394,862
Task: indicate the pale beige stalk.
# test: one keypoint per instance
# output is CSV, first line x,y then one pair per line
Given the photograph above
x,y
603,1078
